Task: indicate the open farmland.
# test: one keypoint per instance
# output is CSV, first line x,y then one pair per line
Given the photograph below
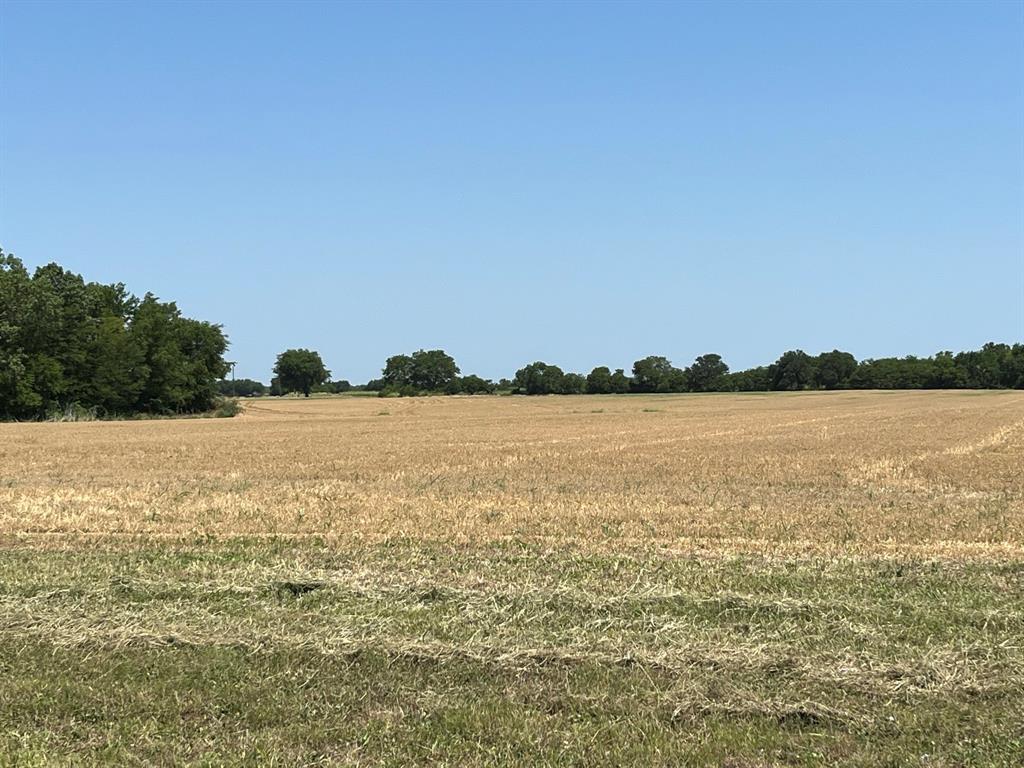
x,y
750,580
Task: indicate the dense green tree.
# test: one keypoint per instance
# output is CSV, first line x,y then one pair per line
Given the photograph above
x,y
945,373
65,342
433,370
475,385
599,381
299,370
793,371
706,374
751,380
572,384
423,371
833,370
398,371
242,388
993,366
893,373
657,374
539,379
119,372
621,383
1013,369
18,395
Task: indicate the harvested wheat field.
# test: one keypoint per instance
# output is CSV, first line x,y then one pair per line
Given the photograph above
x,y
746,580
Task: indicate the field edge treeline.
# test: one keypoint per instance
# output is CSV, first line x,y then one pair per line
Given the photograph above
x,y
435,372
71,349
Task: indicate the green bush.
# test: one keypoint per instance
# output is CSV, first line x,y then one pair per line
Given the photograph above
x,y
227,408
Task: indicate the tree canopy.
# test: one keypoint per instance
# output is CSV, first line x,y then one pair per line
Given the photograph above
x,y
299,370
425,372
993,366
68,343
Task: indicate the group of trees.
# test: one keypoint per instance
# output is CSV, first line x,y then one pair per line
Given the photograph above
x,y
423,372
66,343
436,372
651,374
426,372
994,366
242,388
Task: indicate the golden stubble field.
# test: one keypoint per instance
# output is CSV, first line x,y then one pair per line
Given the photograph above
x,y
923,473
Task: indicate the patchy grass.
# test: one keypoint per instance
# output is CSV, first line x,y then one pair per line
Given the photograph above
x,y
399,653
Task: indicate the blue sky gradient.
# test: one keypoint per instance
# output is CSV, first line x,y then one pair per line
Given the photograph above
x,y
578,183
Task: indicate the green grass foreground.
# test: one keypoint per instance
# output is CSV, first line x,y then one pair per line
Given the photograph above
x,y
294,654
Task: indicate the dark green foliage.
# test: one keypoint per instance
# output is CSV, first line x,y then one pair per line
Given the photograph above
x,y
242,388
893,373
573,384
299,370
994,366
539,379
66,344
946,374
398,371
474,385
834,369
599,381
706,373
333,387
427,371
752,380
657,374
793,371
433,370
620,382
227,408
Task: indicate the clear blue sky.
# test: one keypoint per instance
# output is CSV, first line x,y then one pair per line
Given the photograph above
x,y
577,183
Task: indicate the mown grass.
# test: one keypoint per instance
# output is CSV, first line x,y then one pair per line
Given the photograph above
x,y
282,652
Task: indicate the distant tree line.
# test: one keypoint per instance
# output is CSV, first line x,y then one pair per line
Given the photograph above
x,y
423,372
66,343
994,366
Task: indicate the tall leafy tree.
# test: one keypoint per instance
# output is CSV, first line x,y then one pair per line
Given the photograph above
x,y
18,394
66,342
793,371
398,371
833,370
657,374
599,381
620,381
433,370
572,384
539,379
299,370
706,373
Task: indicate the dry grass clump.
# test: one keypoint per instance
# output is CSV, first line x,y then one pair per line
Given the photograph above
x,y
924,472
